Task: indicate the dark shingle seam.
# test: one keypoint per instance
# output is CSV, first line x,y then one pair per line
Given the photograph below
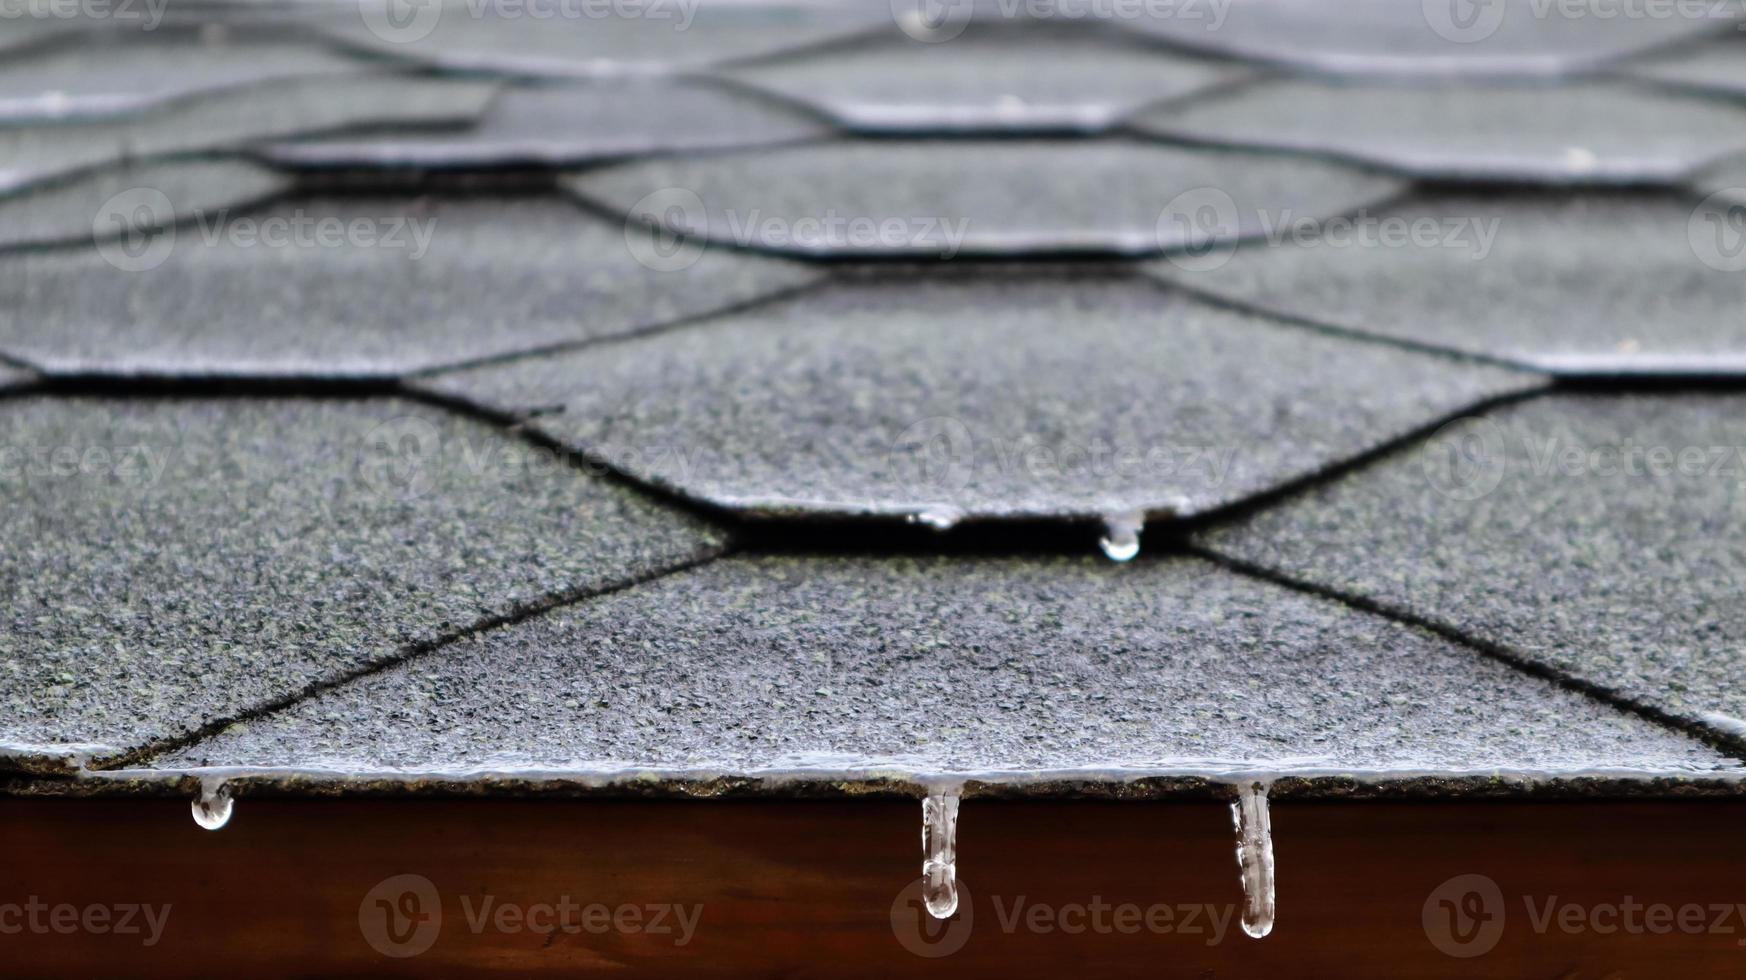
x,y
684,322
525,611
1733,743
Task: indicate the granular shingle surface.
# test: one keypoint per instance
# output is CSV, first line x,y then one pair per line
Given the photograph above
x,y
957,397
290,290
1598,536
1019,81
1630,283
967,197
1594,132
1391,37
225,121
568,124
108,75
1717,65
110,202
173,562
671,37
935,666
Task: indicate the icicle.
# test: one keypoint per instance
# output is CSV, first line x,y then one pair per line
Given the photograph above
x,y
1121,536
940,852
212,808
1255,858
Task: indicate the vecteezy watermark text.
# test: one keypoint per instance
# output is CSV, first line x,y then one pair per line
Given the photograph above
x,y
146,13
1467,915
43,918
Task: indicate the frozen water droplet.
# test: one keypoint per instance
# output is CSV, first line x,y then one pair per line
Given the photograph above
x,y
940,850
1121,535
1255,858
212,808
938,518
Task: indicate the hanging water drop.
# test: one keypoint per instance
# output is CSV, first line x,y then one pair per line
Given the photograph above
x,y
1255,858
1121,535
939,518
940,854
213,806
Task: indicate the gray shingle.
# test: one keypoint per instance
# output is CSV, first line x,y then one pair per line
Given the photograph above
x,y
560,125
172,562
233,119
80,209
1011,80
109,73
590,42
1578,133
447,280
1000,197
1400,37
1008,396
1596,535
1603,284
931,667
1714,65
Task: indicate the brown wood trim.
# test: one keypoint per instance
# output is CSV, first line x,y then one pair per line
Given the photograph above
x,y
808,888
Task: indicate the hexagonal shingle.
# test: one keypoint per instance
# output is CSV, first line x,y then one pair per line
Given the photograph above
x,y
1715,65
1589,132
1397,37
170,563
437,281
69,211
565,124
1023,395
229,120
114,73
593,42
1005,669
1606,284
882,199
1009,80
1598,536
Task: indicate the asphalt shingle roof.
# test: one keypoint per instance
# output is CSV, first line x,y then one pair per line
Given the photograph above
x,y
171,563
504,402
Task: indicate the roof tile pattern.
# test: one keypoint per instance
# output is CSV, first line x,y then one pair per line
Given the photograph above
x,y
1626,284
956,399
220,501
936,666
568,124
174,562
1003,81
1596,535
1590,132
892,199
358,286
110,75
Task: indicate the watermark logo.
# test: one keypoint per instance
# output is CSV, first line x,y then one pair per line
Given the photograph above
x,y
664,230
146,13
1717,230
398,457
401,21
42,918
922,934
1464,21
402,916
932,21
1465,459
1464,916
135,230
1199,229
936,456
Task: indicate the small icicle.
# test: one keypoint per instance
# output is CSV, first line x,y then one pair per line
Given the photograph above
x,y
1255,858
212,808
940,852
1121,535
